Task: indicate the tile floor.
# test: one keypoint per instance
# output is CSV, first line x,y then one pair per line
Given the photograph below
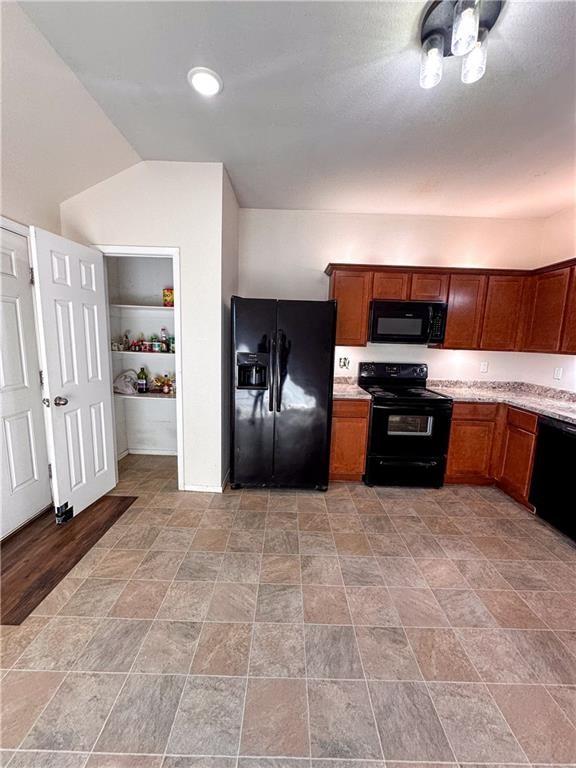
x,y
278,630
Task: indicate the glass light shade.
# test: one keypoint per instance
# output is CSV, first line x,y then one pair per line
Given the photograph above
x,y
205,81
465,26
474,63
432,61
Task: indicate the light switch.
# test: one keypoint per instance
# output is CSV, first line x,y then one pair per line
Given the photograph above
x,y
558,373
484,366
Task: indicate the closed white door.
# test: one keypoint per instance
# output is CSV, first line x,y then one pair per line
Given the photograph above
x,y
25,481
71,298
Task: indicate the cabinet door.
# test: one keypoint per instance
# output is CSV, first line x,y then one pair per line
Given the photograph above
x,y
349,440
502,312
470,451
465,310
548,301
352,291
517,462
391,285
429,287
569,333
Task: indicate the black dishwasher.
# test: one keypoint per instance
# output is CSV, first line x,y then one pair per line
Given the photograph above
x,y
553,488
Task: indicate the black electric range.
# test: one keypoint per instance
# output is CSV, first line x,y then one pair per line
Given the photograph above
x,y
409,426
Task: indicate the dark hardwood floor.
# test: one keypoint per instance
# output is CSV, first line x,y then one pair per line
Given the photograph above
x,y
37,557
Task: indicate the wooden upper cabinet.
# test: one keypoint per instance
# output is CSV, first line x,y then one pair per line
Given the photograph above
x,y
501,328
569,332
352,291
429,286
546,300
466,297
391,285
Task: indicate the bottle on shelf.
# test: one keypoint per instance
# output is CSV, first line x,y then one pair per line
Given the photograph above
x,y
142,380
164,340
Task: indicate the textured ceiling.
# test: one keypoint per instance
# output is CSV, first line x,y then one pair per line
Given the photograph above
x,y
321,107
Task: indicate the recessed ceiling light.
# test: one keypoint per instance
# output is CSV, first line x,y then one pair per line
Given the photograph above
x,y
205,81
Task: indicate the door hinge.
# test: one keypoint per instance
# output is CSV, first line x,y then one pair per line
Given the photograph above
x,y
31,275
50,471
41,375
64,513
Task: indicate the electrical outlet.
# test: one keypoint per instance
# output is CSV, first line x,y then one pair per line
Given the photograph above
x,y
558,373
344,362
484,366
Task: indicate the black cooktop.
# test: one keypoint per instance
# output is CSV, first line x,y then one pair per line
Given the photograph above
x,y
395,382
405,393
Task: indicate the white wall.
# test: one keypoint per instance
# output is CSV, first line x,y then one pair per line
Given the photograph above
x,y
465,364
56,140
174,204
229,288
558,238
284,253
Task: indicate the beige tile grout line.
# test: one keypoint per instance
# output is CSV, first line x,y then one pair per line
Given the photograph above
x,y
426,682
240,732
66,674
557,560
202,623
132,665
308,723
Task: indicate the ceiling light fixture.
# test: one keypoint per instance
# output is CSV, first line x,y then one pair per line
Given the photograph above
x,y
456,28
205,81
465,26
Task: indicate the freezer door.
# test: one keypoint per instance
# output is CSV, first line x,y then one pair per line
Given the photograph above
x,y
305,340
252,407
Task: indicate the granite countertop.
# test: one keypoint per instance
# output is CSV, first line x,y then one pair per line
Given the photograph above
x,y
547,401
546,406
348,389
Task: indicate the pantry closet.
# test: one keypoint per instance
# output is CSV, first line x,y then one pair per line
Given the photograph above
x,y
141,287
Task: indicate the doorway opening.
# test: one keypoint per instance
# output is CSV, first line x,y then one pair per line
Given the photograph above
x,y
145,351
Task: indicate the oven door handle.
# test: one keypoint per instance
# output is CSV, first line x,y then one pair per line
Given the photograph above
x,y
415,410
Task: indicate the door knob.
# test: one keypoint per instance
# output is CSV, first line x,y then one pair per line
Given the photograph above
x,y
60,400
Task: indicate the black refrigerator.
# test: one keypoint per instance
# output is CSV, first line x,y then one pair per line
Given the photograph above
x,y
281,400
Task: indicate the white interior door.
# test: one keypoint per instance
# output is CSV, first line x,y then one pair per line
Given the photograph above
x,y
25,481
72,304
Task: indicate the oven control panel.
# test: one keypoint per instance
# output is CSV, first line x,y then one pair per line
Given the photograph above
x,y
393,371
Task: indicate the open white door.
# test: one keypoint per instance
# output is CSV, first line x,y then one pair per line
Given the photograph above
x,y
25,483
72,308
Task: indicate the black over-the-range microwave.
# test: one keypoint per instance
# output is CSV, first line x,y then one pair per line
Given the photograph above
x,y
407,322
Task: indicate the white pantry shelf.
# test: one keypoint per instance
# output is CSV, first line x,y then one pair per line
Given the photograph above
x,y
143,307
152,354
146,396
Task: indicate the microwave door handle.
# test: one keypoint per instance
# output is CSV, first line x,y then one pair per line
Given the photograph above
x,y
430,320
271,376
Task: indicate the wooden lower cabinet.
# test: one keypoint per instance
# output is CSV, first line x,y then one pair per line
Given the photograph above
x,y
472,443
492,443
519,445
350,419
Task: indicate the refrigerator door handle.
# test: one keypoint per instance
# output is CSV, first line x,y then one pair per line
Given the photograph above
x,y
277,372
271,374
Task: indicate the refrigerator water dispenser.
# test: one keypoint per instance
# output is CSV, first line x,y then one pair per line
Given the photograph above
x,y
252,370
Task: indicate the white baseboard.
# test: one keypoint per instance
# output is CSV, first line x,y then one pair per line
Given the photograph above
x,y
207,488
151,453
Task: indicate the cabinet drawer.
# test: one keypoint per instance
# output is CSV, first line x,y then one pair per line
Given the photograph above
x,y
476,411
351,409
522,419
